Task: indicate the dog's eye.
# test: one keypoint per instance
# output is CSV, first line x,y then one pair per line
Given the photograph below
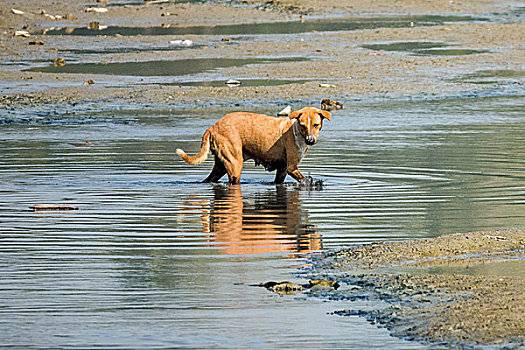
x,y
316,126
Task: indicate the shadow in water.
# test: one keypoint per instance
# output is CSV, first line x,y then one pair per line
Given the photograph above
x,y
272,221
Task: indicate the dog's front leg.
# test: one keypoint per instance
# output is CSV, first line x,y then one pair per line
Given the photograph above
x,y
296,174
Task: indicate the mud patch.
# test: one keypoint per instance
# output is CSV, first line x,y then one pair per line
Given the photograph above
x,y
463,290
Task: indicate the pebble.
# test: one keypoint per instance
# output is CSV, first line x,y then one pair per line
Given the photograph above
x,y
22,33
285,111
182,43
97,9
233,82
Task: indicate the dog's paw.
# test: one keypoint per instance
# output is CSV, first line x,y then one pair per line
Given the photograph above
x,y
310,183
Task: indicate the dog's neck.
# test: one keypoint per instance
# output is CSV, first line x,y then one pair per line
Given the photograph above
x,y
299,140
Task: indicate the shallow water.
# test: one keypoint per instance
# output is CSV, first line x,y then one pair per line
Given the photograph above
x,y
153,258
160,68
288,27
424,48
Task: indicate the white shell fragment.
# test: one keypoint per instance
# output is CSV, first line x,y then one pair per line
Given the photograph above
x,y
17,12
327,85
285,112
181,43
233,82
97,9
23,33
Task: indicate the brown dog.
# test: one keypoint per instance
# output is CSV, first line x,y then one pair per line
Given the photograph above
x,y
277,143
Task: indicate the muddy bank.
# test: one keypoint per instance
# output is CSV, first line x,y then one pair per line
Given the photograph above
x,y
436,291
346,60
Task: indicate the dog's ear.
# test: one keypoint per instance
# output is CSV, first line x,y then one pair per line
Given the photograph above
x,y
296,114
325,114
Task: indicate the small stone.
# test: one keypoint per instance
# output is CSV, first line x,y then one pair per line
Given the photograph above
x,y
96,9
94,25
233,82
181,43
59,62
22,33
285,112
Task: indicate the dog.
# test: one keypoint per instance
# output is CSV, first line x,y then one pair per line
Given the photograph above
x,y
276,143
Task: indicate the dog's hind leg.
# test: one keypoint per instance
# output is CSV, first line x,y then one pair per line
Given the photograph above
x,y
280,175
234,170
217,172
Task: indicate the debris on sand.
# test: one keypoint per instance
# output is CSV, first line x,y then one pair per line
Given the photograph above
x,y
182,43
94,25
322,285
97,9
44,207
285,111
329,105
17,12
290,288
22,33
282,288
233,82
81,144
59,62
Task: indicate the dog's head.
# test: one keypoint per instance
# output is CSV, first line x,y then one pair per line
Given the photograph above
x,y
310,122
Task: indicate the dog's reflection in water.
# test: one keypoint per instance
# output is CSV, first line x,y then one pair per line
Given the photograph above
x,y
271,221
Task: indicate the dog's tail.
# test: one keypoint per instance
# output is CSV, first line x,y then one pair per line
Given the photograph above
x,y
203,153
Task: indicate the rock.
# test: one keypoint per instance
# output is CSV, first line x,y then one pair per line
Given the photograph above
x,y
329,105
71,17
81,144
181,43
322,285
54,18
285,112
97,9
94,25
59,62
233,82
37,42
282,288
22,33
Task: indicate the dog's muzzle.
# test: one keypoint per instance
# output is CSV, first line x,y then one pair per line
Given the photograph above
x,y
310,140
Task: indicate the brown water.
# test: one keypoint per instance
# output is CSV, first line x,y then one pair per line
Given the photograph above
x,y
154,259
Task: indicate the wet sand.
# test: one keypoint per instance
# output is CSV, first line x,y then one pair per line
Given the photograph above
x,y
334,58
457,290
